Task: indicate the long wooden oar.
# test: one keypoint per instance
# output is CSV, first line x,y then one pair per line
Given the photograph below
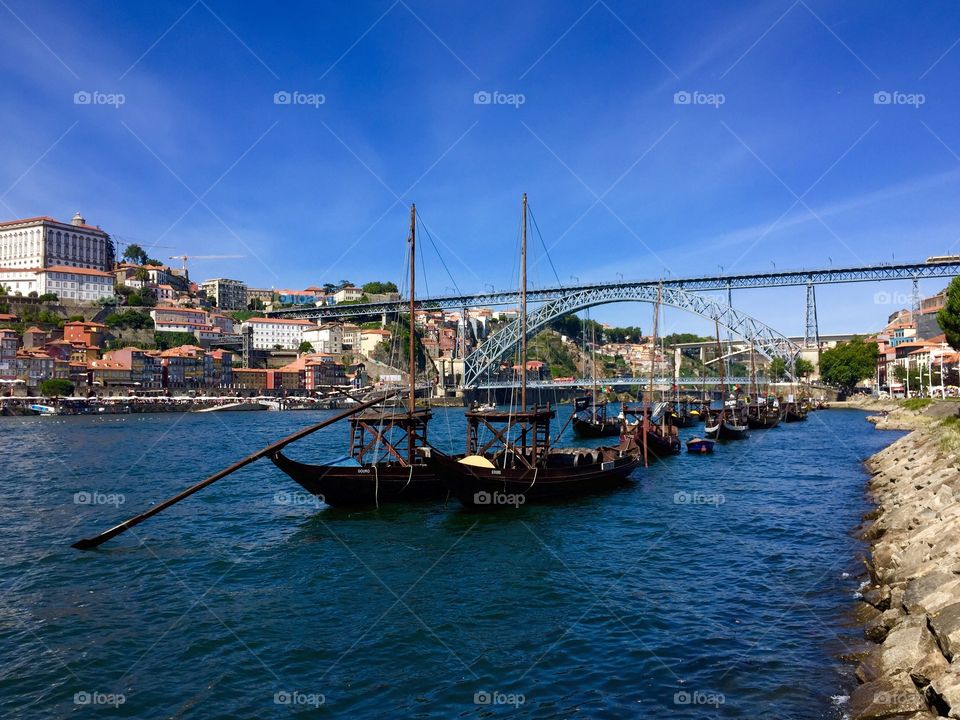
x,y
93,542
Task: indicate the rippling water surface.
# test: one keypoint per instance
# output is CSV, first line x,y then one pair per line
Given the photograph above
x,y
714,586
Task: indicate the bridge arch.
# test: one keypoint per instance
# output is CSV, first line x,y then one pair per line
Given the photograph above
x,y
767,341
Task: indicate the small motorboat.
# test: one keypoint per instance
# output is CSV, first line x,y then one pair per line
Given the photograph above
x,y
700,445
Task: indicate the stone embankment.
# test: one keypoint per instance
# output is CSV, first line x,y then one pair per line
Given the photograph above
x,y
911,606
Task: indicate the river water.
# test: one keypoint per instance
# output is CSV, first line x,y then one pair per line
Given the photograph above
x,y
714,586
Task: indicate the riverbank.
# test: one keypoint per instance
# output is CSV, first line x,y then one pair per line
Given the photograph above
x,y
911,605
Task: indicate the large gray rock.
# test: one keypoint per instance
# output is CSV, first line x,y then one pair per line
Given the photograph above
x,y
943,694
906,646
946,626
932,592
885,699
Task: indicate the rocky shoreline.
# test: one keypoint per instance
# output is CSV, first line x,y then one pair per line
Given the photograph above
x,y
911,604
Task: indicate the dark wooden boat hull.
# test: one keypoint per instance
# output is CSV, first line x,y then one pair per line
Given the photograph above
x,y
764,422
661,447
725,430
683,420
588,429
365,486
494,488
793,416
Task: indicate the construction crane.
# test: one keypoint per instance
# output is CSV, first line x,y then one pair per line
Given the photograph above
x,y
184,258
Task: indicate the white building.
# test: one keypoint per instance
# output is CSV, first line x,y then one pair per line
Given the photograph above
x,y
228,294
327,339
370,338
269,333
43,242
347,294
68,283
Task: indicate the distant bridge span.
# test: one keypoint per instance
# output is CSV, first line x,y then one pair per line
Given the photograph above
x,y
786,278
479,364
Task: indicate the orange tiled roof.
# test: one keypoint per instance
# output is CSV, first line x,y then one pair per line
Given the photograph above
x,y
76,271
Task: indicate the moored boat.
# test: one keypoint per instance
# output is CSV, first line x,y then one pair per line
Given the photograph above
x,y
763,415
700,445
726,423
509,461
388,448
494,475
590,419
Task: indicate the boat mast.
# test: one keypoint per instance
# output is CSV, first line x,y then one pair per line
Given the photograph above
x,y
412,401
523,308
723,377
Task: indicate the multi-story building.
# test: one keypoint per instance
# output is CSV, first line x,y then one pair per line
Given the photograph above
x,y
264,295
9,342
277,333
90,334
251,379
325,339
351,336
228,294
178,319
370,338
322,371
68,283
144,366
42,242
347,294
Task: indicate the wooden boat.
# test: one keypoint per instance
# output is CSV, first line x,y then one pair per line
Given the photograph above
x,y
763,415
386,462
792,412
726,423
509,460
700,445
682,416
590,419
497,475
662,438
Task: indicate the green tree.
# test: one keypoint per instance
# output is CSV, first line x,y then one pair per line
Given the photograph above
x,y
778,369
899,373
949,315
49,297
802,367
129,319
305,347
167,340
849,363
135,254
379,288
56,387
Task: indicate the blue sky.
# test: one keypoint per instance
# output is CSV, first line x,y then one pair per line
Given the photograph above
x,y
782,157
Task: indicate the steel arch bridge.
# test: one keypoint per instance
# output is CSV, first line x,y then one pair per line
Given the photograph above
x,y
767,341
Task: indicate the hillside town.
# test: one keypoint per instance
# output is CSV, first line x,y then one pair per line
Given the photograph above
x,y
73,308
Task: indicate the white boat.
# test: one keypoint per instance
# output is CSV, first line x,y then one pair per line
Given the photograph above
x,y
44,410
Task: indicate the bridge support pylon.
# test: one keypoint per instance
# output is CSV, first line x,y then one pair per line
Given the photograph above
x,y
811,335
